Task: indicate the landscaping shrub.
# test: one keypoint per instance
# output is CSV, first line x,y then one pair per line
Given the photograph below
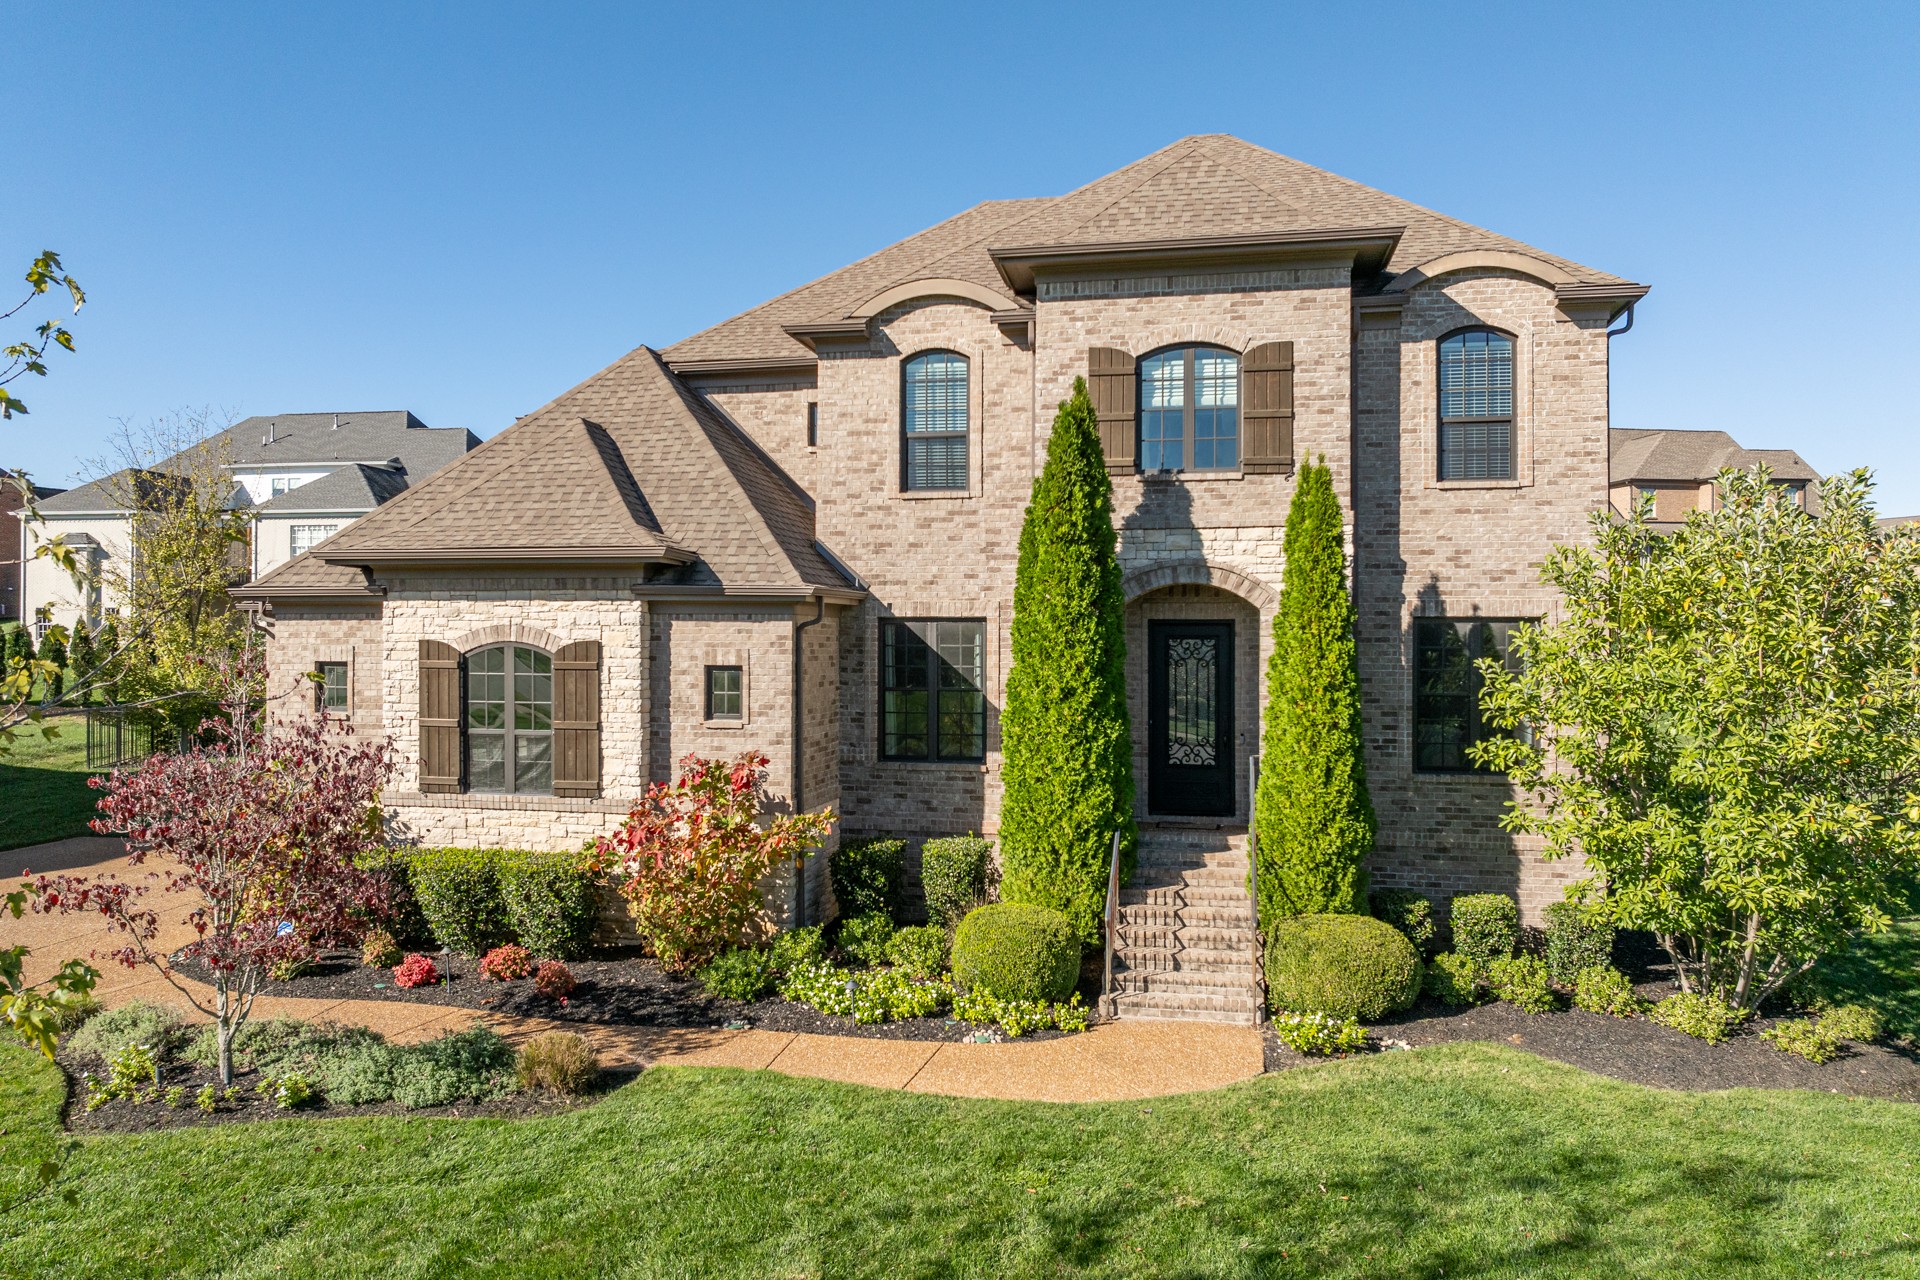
x,y
1601,988
1703,1017
133,1073
981,1007
286,1092
415,971
1453,980
1316,1033
72,1012
869,877
1485,926
459,894
549,901
379,950
554,980
1409,912
505,963
953,873
865,937
460,1066
1017,952
257,1044
1803,1038
820,986
403,917
920,950
1575,943
740,974
560,1062
1344,965
1859,1023
797,947
355,1073
1522,982
135,1023
871,997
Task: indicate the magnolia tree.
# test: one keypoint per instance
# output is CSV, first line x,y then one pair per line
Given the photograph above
x,y
693,854
259,836
1725,723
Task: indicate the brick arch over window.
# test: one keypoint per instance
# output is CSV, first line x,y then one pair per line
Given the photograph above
x,y
1190,334
507,633
1199,573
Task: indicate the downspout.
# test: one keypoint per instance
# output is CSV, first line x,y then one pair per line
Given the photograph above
x,y
1611,335
797,787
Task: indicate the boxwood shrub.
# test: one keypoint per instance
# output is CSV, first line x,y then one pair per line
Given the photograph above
x,y
921,950
1409,912
459,893
549,901
953,871
1346,966
869,876
1485,927
1574,944
1016,952
404,919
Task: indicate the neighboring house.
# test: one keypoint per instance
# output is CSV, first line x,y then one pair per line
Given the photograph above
x,y
10,548
1890,522
1677,470
306,476
796,532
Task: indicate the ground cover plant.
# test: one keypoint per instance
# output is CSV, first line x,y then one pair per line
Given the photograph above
x,y
1336,1170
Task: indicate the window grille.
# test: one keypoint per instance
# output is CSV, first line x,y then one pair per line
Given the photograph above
x,y
509,720
933,421
724,694
1447,684
1190,410
933,689
1476,406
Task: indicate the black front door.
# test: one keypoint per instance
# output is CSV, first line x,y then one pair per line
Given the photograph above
x,y
1190,718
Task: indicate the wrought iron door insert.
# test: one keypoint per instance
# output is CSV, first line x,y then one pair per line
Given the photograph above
x,y
1190,718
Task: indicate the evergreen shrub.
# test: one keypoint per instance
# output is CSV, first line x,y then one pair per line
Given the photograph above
x,y
1346,966
1522,982
797,947
1017,952
459,894
1453,980
743,974
1485,926
1575,943
549,899
920,950
134,1023
1409,912
953,872
1604,989
1859,1023
864,938
1704,1017
869,876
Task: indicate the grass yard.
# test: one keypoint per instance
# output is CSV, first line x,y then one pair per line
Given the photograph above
x,y
1467,1160
43,786
1883,970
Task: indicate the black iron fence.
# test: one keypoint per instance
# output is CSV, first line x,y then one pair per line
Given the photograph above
x,y
119,739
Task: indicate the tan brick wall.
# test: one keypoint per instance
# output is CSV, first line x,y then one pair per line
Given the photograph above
x,y
304,635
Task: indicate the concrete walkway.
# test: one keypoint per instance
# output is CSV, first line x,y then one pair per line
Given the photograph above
x,y
1113,1061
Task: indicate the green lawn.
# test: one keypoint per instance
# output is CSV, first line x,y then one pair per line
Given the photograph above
x,y
1883,970
1466,1160
43,786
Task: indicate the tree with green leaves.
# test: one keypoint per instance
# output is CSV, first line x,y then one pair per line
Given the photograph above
x,y
1724,722
53,652
1065,733
29,355
1312,814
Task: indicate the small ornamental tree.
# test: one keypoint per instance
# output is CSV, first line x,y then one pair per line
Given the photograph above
x,y
260,835
1725,723
1065,734
1311,809
693,854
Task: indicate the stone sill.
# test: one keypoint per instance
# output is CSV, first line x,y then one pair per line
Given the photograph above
x,y
504,803
1479,484
937,495
952,766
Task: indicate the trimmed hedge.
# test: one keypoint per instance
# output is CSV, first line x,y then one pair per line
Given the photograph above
x,y
1346,966
1575,945
869,876
1409,912
459,893
1017,952
404,919
1485,926
474,899
953,870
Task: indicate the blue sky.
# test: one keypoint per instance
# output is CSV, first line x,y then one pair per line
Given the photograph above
x,y
464,210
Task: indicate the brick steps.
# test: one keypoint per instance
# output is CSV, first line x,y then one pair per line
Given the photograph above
x,y
1185,948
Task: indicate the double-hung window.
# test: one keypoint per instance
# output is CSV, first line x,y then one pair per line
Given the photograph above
x,y
1190,410
1476,406
933,421
726,698
1447,684
510,720
933,701
331,691
302,538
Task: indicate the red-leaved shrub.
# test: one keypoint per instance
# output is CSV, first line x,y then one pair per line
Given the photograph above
x,y
506,962
554,979
415,971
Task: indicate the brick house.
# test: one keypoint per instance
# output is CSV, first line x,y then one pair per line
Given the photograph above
x,y
1677,470
797,530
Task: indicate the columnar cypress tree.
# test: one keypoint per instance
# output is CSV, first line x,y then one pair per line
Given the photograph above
x,y
1311,810
53,650
1068,744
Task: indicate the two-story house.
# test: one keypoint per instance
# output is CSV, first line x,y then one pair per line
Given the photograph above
x,y
797,531
1677,470
303,476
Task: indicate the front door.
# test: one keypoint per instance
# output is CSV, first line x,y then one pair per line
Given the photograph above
x,y
1190,718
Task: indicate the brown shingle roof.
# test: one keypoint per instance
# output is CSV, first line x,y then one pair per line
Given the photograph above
x,y
1697,456
1205,186
627,467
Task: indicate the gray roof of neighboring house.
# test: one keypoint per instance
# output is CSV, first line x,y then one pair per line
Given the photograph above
x,y
1693,456
104,496
355,488
1889,522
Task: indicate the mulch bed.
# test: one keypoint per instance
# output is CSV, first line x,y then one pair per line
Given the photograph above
x,y
615,989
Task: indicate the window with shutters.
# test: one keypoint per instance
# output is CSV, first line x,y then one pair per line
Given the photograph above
x,y
509,720
933,702
933,421
1476,405
1447,684
1189,405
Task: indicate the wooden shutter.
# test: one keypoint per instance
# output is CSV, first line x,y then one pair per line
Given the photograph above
x,y
576,720
1266,375
439,716
1112,381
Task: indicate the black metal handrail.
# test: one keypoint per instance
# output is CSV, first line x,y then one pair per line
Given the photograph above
x,y
1253,882
1111,916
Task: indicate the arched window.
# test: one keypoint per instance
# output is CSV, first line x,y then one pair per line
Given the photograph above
x,y
510,720
933,421
1476,406
1190,410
